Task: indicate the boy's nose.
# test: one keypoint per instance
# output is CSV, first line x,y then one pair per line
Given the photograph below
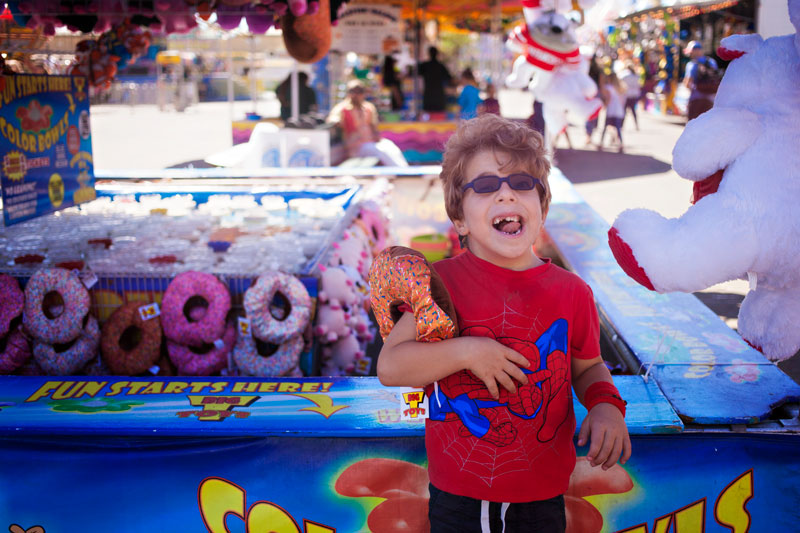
x,y
506,192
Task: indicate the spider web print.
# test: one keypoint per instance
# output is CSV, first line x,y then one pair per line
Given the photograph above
x,y
516,430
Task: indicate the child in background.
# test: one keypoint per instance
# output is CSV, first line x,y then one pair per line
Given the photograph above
x,y
470,98
633,90
528,334
490,103
613,94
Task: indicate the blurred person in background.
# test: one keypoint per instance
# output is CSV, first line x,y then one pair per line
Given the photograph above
x,y
613,93
490,103
358,120
435,77
307,98
470,96
698,70
633,90
390,79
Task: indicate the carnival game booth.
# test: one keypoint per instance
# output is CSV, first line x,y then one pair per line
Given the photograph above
x,y
187,261
714,428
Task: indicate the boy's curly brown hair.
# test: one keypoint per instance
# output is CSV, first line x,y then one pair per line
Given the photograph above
x,y
491,132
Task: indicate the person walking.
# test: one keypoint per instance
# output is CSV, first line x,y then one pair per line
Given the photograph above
x,y
613,93
633,90
702,78
435,77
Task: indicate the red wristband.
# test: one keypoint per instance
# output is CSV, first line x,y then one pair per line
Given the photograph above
x,y
603,392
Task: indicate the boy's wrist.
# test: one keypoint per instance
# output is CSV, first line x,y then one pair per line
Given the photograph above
x,y
603,392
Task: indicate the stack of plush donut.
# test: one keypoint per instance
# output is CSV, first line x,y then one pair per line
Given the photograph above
x,y
279,308
197,321
48,328
15,348
56,315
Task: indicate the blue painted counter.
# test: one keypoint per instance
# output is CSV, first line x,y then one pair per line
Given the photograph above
x,y
320,455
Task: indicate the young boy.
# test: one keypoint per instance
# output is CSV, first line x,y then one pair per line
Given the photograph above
x,y
499,440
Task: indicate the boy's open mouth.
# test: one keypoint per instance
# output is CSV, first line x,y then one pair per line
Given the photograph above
x,y
509,224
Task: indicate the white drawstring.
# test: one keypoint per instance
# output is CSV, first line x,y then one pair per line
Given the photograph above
x,y
485,528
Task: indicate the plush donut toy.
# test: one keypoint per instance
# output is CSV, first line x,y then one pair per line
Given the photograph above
x,y
15,350
260,298
68,324
129,344
187,291
202,360
12,301
308,37
67,358
257,358
402,275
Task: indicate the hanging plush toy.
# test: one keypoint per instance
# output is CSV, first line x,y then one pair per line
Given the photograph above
x,y
744,158
307,33
550,64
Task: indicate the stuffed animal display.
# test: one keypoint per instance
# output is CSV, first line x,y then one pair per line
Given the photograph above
x,y
306,24
743,158
342,325
551,66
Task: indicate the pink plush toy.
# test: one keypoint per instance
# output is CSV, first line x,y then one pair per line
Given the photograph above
x,y
352,250
332,323
372,221
339,358
336,287
176,15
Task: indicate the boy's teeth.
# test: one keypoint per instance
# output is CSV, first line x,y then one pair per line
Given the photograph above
x,y
498,220
507,224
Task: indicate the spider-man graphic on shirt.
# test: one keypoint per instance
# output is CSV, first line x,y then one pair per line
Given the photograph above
x,y
465,397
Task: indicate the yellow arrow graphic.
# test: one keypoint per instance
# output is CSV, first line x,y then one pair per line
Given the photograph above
x,y
323,402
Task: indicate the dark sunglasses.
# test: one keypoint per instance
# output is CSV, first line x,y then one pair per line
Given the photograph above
x,y
487,184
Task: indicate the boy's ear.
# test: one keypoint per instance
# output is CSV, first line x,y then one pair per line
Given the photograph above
x,y
461,228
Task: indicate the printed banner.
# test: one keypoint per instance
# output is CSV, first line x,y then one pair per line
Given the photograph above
x,y
319,455
368,29
679,483
46,142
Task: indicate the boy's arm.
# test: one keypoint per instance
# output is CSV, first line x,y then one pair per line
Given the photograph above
x,y
604,425
405,362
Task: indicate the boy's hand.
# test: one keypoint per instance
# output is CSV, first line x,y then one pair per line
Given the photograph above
x,y
495,364
605,426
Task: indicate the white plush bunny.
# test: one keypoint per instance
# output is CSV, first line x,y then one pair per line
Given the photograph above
x,y
744,157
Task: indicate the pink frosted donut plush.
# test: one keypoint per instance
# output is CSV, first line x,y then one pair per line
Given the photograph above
x,y
275,322
15,350
12,301
68,358
184,294
202,360
41,319
258,358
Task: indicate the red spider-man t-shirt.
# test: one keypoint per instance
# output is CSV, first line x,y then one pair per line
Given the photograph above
x,y
518,448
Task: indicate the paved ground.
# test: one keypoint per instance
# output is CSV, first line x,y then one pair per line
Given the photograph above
x,y
148,138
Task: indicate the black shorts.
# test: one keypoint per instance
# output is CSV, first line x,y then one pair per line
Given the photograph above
x,y
449,513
